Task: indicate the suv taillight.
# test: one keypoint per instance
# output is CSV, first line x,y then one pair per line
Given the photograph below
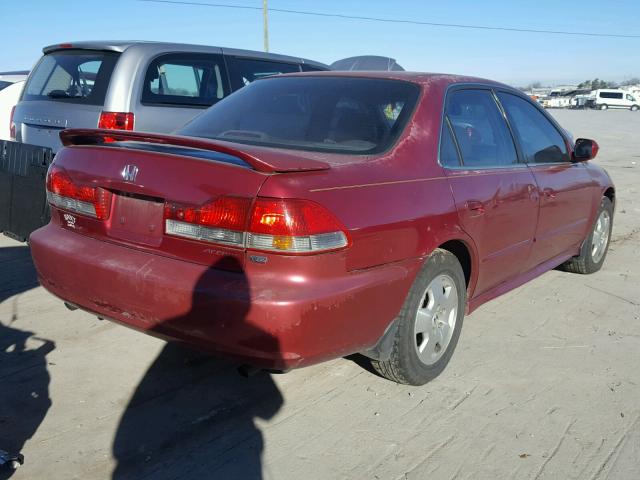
x,y
116,120
272,224
63,193
12,125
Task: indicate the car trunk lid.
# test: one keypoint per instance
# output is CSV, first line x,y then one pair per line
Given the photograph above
x,y
147,172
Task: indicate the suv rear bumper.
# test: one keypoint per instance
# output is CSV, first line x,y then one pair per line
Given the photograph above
x,y
274,321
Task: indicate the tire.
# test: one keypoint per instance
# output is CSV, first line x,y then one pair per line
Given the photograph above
x,y
604,106
634,108
418,356
590,259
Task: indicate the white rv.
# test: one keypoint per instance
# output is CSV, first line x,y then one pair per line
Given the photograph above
x,y
614,98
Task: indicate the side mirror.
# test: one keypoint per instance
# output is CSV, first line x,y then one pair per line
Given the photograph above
x,y
585,149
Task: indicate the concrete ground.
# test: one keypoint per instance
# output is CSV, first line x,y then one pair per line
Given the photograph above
x,y
545,383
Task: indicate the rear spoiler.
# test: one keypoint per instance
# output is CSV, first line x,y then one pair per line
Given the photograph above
x,y
262,159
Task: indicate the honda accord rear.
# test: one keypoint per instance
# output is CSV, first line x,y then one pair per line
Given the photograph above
x,y
221,242
312,216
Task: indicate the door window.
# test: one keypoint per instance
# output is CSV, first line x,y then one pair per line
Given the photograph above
x,y
480,130
540,140
246,70
185,79
448,152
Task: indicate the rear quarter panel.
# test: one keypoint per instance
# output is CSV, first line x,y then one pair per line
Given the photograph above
x,y
397,205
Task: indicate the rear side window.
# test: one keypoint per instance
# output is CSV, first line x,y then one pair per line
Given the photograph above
x,y
74,76
448,152
614,95
325,114
243,71
4,84
480,129
197,80
540,140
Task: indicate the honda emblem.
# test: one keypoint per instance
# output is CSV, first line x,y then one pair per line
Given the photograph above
x,y
129,173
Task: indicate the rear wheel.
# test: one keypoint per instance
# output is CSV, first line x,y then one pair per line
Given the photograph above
x,y
429,323
634,108
604,106
594,249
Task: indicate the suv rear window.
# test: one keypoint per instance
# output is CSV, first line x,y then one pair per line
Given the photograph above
x,y
325,114
75,76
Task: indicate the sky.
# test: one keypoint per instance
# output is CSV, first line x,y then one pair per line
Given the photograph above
x,y
511,57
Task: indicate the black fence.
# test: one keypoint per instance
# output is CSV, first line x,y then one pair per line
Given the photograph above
x,y
23,203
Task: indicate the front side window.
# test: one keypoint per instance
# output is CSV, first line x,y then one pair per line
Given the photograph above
x,y
73,76
196,80
480,129
329,114
540,140
631,98
244,71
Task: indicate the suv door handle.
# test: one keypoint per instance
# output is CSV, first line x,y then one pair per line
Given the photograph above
x,y
475,206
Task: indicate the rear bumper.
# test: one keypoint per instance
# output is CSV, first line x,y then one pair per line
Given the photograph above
x,y
267,319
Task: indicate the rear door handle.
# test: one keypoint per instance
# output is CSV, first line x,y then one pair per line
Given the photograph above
x,y
475,206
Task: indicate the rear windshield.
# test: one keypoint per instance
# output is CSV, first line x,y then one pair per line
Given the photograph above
x,y
332,114
75,76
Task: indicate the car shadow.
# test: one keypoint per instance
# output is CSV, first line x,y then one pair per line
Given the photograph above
x,y
24,378
193,415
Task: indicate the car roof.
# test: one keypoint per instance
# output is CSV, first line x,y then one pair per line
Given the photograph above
x,y
122,45
422,78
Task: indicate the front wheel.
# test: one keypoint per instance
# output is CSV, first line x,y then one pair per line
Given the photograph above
x,y
595,247
634,108
429,323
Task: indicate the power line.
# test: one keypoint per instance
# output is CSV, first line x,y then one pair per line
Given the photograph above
x,y
391,20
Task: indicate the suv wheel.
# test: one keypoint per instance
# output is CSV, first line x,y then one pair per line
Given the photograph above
x,y
594,249
429,323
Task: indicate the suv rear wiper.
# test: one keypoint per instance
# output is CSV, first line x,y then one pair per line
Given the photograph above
x,y
61,94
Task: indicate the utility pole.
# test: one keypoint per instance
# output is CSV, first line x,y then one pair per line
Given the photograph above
x,y
265,18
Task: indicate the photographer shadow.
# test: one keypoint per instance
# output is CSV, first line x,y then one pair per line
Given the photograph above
x,y
192,415
24,377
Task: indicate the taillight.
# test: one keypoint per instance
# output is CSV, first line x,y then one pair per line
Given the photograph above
x,y
294,226
220,221
278,225
63,193
12,125
116,120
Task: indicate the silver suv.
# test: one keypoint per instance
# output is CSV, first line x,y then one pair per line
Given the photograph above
x,y
146,86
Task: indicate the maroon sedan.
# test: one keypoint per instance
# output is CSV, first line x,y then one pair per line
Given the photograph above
x,y
311,216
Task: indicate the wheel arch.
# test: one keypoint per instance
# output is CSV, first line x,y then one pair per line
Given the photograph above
x,y
610,193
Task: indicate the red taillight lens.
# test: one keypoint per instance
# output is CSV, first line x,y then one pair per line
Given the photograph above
x,y
116,121
220,221
225,212
12,125
291,217
63,193
294,226
282,225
